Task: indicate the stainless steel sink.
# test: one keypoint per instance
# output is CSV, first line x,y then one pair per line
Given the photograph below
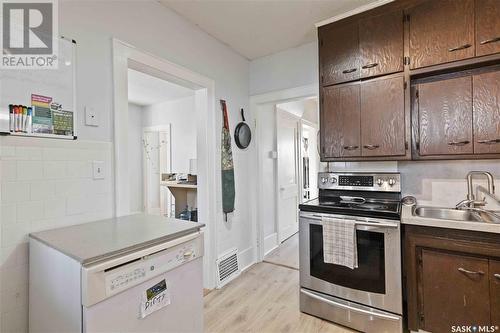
x,y
449,214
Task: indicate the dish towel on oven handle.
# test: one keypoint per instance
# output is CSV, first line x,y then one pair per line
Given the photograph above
x,y
339,242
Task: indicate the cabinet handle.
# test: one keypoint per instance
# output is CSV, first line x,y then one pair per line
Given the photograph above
x,y
371,147
459,143
466,271
458,48
351,147
491,40
489,142
497,276
347,71
370,65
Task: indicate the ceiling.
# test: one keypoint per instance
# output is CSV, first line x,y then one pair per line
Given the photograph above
x,y
144,89
297,108
256,28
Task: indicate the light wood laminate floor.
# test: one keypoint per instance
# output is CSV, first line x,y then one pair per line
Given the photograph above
x,y
287,254
264,298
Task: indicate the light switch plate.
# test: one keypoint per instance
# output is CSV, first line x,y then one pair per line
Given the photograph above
x,y
98,169
90,116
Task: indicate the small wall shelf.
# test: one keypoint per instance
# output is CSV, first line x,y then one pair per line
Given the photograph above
x,y
47,136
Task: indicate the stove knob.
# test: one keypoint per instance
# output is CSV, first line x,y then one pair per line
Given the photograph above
x,y
380,182
324,180
392,181
333,180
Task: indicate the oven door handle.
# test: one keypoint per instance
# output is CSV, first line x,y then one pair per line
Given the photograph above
x,y
350,308
363,223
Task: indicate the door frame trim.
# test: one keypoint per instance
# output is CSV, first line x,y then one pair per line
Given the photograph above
x,y
256,103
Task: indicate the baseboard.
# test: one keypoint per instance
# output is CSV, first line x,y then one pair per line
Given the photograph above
x,y
270,243
246,258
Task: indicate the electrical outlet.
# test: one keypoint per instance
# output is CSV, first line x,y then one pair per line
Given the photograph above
x,y
90,116
98,169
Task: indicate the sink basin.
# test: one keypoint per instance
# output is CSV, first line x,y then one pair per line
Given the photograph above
x,y
449,214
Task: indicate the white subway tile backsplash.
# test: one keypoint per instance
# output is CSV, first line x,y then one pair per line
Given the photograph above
x,y
9,214
15,192
29,211
45,184
28,153
9,170
54,208
78,204
79,169
29,170
44,189
54,169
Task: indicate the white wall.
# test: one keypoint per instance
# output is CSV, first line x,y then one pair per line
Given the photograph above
x,y
287,69
44,184
135,114
180,113
151,28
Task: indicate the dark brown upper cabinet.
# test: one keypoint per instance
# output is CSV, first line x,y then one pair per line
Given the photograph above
x,y
383,117
455,290
381,44
495,292
486,103
445,117
440,32
339,53
340,121
487,27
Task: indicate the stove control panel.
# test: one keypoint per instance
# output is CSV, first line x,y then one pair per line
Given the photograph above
x,y
360,181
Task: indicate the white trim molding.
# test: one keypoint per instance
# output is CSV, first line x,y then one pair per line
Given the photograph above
x,y
126,56
261,244
353,12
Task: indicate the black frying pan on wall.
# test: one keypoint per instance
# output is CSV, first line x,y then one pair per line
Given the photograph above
x,y
242,133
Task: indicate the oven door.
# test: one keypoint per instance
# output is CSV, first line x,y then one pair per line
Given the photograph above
x,y
377,280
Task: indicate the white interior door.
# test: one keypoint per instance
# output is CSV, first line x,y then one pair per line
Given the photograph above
x,y
156,161
287,174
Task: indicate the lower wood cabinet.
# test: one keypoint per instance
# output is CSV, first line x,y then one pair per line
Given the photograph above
x,y
494,272
364,120
451,278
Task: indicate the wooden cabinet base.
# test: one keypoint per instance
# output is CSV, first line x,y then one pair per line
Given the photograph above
x,y
449,278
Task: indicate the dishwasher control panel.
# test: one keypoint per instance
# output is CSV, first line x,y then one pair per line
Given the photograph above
x,y
106,279
123,277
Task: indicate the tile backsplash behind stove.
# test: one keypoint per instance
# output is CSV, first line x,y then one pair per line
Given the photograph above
x,y
437,183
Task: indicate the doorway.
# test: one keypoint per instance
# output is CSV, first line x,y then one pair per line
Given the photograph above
x,y
125,58
284,119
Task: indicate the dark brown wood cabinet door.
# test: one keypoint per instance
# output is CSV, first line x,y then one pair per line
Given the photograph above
x,y
445,117
340,123
383,117
441,31
487,27
381,44
495,292
338,53
455,291
486,104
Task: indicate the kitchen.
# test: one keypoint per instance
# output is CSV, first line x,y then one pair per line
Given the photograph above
x,y
419,97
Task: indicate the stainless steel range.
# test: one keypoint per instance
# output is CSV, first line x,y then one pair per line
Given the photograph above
x,y
367,298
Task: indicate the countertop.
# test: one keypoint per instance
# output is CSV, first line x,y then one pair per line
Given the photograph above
x,y
407,217
100,240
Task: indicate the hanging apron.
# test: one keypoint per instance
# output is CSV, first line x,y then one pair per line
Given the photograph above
x,y
227,166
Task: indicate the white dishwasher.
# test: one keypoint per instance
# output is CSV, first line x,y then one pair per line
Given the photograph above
x,y
154,288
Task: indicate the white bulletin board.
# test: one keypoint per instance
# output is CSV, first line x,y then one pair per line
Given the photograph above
x,y
17,85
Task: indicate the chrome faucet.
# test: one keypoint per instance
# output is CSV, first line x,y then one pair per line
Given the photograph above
x,y
472,200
